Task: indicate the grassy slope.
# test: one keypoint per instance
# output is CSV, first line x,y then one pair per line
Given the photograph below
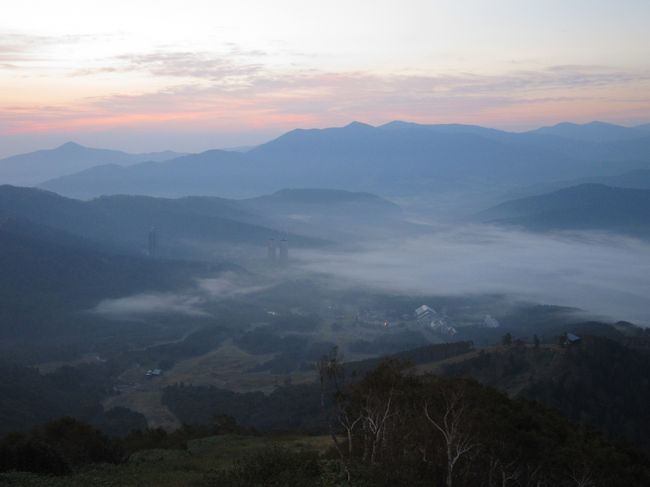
x,y
175,468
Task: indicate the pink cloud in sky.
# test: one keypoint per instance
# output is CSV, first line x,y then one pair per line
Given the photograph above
x,y
259,99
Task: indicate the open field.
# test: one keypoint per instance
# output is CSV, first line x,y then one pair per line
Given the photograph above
x,y
172,468
148,403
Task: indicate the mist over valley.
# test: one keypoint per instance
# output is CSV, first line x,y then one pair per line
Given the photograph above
x,y
336,244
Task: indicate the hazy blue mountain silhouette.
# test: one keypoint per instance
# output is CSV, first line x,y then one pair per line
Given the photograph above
x,y
48,276
318,196
592,131
396,158
35,167
583,207
332,214
208,173
637,179
124,221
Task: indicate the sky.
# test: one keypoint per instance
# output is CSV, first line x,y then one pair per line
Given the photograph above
x,y
194,75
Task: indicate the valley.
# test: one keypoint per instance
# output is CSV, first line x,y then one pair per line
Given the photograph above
x,y
164,320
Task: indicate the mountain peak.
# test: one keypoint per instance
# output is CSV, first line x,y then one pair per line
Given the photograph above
x,y
393,124
358,125
70,146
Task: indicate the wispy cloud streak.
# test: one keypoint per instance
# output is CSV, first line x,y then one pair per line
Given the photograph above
x,y
225,93
193,301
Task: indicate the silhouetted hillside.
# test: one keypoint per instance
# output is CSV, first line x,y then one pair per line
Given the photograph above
x,y
36,167
592,131
28,398
316,196
185,226
48,277
639,179
396,158
360,156
596,381
332,214
211,173
584,207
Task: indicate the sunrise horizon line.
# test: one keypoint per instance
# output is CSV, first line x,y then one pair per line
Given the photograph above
x,y
75,140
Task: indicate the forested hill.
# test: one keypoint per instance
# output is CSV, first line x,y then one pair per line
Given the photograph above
x,y
596,381
51,280
391,429
48,275
124,221
583,207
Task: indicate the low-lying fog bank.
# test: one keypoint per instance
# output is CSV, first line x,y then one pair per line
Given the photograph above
x,y
602,274
599,273
189,301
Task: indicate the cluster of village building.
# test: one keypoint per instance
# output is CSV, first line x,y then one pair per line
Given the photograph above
x,y
426,316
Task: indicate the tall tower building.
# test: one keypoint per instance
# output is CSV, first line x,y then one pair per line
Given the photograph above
x,y
284,252
271,250
152,248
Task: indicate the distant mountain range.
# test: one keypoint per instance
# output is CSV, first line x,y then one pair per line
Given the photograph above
x,y
211,173
398,158
185,226
637,179
594,131
36,167
61,256
204,227
583,207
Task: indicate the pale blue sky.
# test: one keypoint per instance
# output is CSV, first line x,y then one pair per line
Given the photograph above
x,y
216,73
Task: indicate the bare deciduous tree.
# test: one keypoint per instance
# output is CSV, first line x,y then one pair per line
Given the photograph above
x,y
450,422
349,422
502,474
582,476
376,413
330,372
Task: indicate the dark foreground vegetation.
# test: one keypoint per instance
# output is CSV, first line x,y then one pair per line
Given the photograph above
x,y
598,382
389,428
401,429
